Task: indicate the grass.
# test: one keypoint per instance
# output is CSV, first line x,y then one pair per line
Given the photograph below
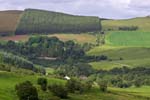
x,y
9,80
142,91
142,22
80,38
49,70
133,39
126,53
132,47
9,20
96,94
107,65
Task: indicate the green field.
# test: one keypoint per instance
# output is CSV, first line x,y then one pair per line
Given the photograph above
x,y
131,47
107,65
142,91
7,91
9,80
132,39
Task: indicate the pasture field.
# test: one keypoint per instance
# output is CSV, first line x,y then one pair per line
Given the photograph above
x,y
9,80
141,91
142,22
126,53
121,56
128,48
107,65
132,39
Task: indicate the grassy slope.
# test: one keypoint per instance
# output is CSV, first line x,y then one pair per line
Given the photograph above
x,y
9,20
114,24
142,91
9,80
132,57
133,47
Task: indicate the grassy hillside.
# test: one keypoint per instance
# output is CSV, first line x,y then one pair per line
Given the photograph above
x,y
39,21
9,20
127,53
121,56
142,22
133,39
142,91
7,91
124,48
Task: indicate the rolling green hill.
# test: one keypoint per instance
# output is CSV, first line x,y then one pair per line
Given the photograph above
x,y
8,21
40,21
124,48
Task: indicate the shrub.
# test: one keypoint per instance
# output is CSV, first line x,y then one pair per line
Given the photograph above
x,y
138,83
43,83
75,85
103,85
58,90
26,91
123,84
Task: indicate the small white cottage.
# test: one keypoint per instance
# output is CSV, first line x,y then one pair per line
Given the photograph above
x,y
67,78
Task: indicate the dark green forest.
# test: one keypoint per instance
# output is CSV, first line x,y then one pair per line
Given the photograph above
x,y
39,21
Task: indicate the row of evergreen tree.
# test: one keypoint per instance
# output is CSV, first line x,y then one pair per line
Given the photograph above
x,y
38,21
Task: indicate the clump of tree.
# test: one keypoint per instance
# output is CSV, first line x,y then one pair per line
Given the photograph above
x,y
126,77
58,90
43,83
128,28
4,67
74,85
17,61
79,69
26,91
103,85
38,48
